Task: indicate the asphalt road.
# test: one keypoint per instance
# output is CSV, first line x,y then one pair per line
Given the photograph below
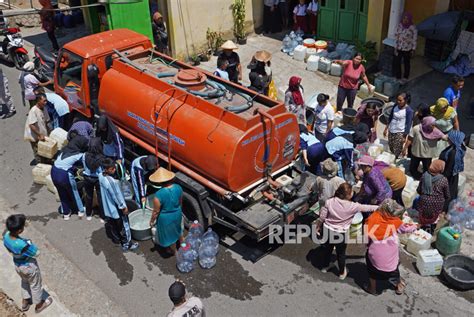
x,y
286,282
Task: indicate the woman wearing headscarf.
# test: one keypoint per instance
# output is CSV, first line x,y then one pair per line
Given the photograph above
x,y
140,170
47,21
335,218
405,45
294,101
423,139
375,188
453,156
383,257
434,192
399,124
63,178
110,136
369,114
92,161
312,149
167,215
445,115
327,184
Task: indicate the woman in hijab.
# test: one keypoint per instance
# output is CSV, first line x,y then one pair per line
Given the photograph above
x,y
423,139
405,46
383,255
92,161
445,115
63,178
110,136
294,101
434,192
453,156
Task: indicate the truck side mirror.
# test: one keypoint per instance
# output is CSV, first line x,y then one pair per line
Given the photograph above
x,y
93,79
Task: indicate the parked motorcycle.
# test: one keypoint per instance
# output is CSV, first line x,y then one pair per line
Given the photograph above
x,y
44,63
12,49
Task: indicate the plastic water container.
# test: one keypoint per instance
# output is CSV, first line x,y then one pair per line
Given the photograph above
x,y
364,91
375,150
127,189
378,83
336,69
47,148
338,119
386,157
196,229
312,63
60,136
391,87
194,241
185,259
51,188
324,65
40,172
419,240
286,44
207,257
356,225
429,262
299,53
210,238
448,241
310,51
409,192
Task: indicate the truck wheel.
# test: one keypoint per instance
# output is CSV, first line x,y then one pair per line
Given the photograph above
x,y
191,210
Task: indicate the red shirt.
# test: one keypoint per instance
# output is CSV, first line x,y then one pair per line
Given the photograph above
x,y
350,77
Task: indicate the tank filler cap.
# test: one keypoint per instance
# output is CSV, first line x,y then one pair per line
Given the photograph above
x,y
191,79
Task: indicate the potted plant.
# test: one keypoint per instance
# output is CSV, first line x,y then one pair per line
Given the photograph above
x,y
195,59
238,13
214,41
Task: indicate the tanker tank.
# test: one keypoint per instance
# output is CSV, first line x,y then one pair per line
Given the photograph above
x,y
227,138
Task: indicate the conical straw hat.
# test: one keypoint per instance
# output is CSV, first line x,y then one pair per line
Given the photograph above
x,y
162,175
229,45
263,56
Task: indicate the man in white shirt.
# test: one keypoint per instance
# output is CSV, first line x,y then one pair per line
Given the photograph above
x,y
36,127
184,307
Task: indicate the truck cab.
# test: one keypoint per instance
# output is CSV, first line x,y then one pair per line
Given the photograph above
x,y
82,63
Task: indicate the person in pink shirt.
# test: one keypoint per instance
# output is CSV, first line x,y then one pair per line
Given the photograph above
x,y
336,218
382,255
349,82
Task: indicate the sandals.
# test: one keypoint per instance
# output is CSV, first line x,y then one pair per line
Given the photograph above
x,y
45,305
400,288
25,308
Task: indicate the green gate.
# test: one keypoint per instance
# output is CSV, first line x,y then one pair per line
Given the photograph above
x,y
130,14
343,20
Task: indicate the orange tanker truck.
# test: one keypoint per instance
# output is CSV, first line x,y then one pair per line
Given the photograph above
x,y
231,148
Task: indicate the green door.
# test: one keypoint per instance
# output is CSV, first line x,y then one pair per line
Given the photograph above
x,y
130,14
327,19
343,20
347,20
363,17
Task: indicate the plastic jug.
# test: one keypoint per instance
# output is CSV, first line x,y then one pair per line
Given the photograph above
x,y
47,148
419,240
207,256
51,187
324,64
312,63
127,189
364,91
60,136
391,87
409,192
429,262
375,150
210,238
336,70
310,51
194,241
356,225
185,258
286,44
299,53
40,171
196,229
338,119
448,241
386,157
299,39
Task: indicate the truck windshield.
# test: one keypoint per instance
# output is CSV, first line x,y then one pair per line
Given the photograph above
x,y
70,69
